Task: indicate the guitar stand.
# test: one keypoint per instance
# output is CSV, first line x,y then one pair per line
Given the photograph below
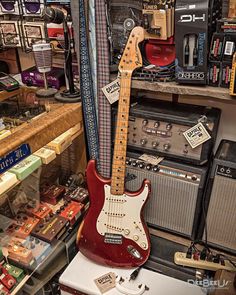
x,y
124,290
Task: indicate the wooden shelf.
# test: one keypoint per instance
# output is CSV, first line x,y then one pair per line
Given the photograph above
x,y
217,93
5,95
37,133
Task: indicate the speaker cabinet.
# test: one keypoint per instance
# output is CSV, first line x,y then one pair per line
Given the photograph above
x,y
176,193
220,201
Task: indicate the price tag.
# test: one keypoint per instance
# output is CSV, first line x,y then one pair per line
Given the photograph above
x,y
112,91
151,159
196,135
106,282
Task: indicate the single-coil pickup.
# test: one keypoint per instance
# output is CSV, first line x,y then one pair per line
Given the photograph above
x,y
115,228
120,201
114,214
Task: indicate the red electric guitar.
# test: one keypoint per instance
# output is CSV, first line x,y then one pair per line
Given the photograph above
x,y
113,232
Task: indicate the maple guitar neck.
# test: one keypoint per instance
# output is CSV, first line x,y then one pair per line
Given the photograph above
x,y
119,157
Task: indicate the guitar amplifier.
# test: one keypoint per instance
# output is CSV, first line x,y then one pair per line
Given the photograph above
x,y
220,200
157,127
175,201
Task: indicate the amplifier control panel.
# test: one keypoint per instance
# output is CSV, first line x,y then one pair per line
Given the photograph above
x,y
160,136
157,127
162,170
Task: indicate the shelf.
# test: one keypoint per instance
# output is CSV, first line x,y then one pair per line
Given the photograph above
x,y
5,95
217,93
37,133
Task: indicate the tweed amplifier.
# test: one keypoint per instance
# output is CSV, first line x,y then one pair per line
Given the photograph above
x,y
157,127
176,193
220,200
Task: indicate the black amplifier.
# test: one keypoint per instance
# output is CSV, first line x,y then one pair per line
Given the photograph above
x,y
220,200
157,127
175,201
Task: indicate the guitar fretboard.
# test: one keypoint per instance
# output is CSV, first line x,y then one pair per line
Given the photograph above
x,y
119,157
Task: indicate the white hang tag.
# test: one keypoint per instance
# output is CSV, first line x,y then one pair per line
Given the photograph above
x,y
112,91
151,159
197,135
106,282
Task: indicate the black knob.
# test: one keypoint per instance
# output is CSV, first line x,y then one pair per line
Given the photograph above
x,y
141,165
156,124
169,126
149,167
134,163
128,162
156,168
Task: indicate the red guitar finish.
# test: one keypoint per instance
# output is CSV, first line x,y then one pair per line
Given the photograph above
x,y
91,243
113,231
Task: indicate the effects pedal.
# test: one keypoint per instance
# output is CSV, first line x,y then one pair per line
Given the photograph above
x,y
6,279
3,290
181,259
23,225
14,271
72,211
40,211
52,194
39,248
79,194
17,252
51,228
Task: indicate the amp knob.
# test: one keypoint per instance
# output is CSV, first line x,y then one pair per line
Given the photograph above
x,y
141,165
128,162
155,144
166,147
145,122
156,168
134,163
149,167
156,124
169,126
143,141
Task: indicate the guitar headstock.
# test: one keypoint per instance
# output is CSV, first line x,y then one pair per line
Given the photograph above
x,y
132,58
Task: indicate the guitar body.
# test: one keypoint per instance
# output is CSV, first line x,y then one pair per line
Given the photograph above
x,y
113,231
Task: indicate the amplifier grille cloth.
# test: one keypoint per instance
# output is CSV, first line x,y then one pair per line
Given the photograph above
x,y
172,202
221,216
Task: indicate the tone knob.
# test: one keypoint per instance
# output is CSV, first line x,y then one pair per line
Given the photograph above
x,y
145,122
126,231
143,141
141,165
155,144
156,124
135,237
166,146
149,167
169,126
143,245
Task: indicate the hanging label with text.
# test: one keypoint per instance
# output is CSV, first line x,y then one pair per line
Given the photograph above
x,y
112,91
197,135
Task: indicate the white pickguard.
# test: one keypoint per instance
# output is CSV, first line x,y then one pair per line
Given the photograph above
x,y
121,215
